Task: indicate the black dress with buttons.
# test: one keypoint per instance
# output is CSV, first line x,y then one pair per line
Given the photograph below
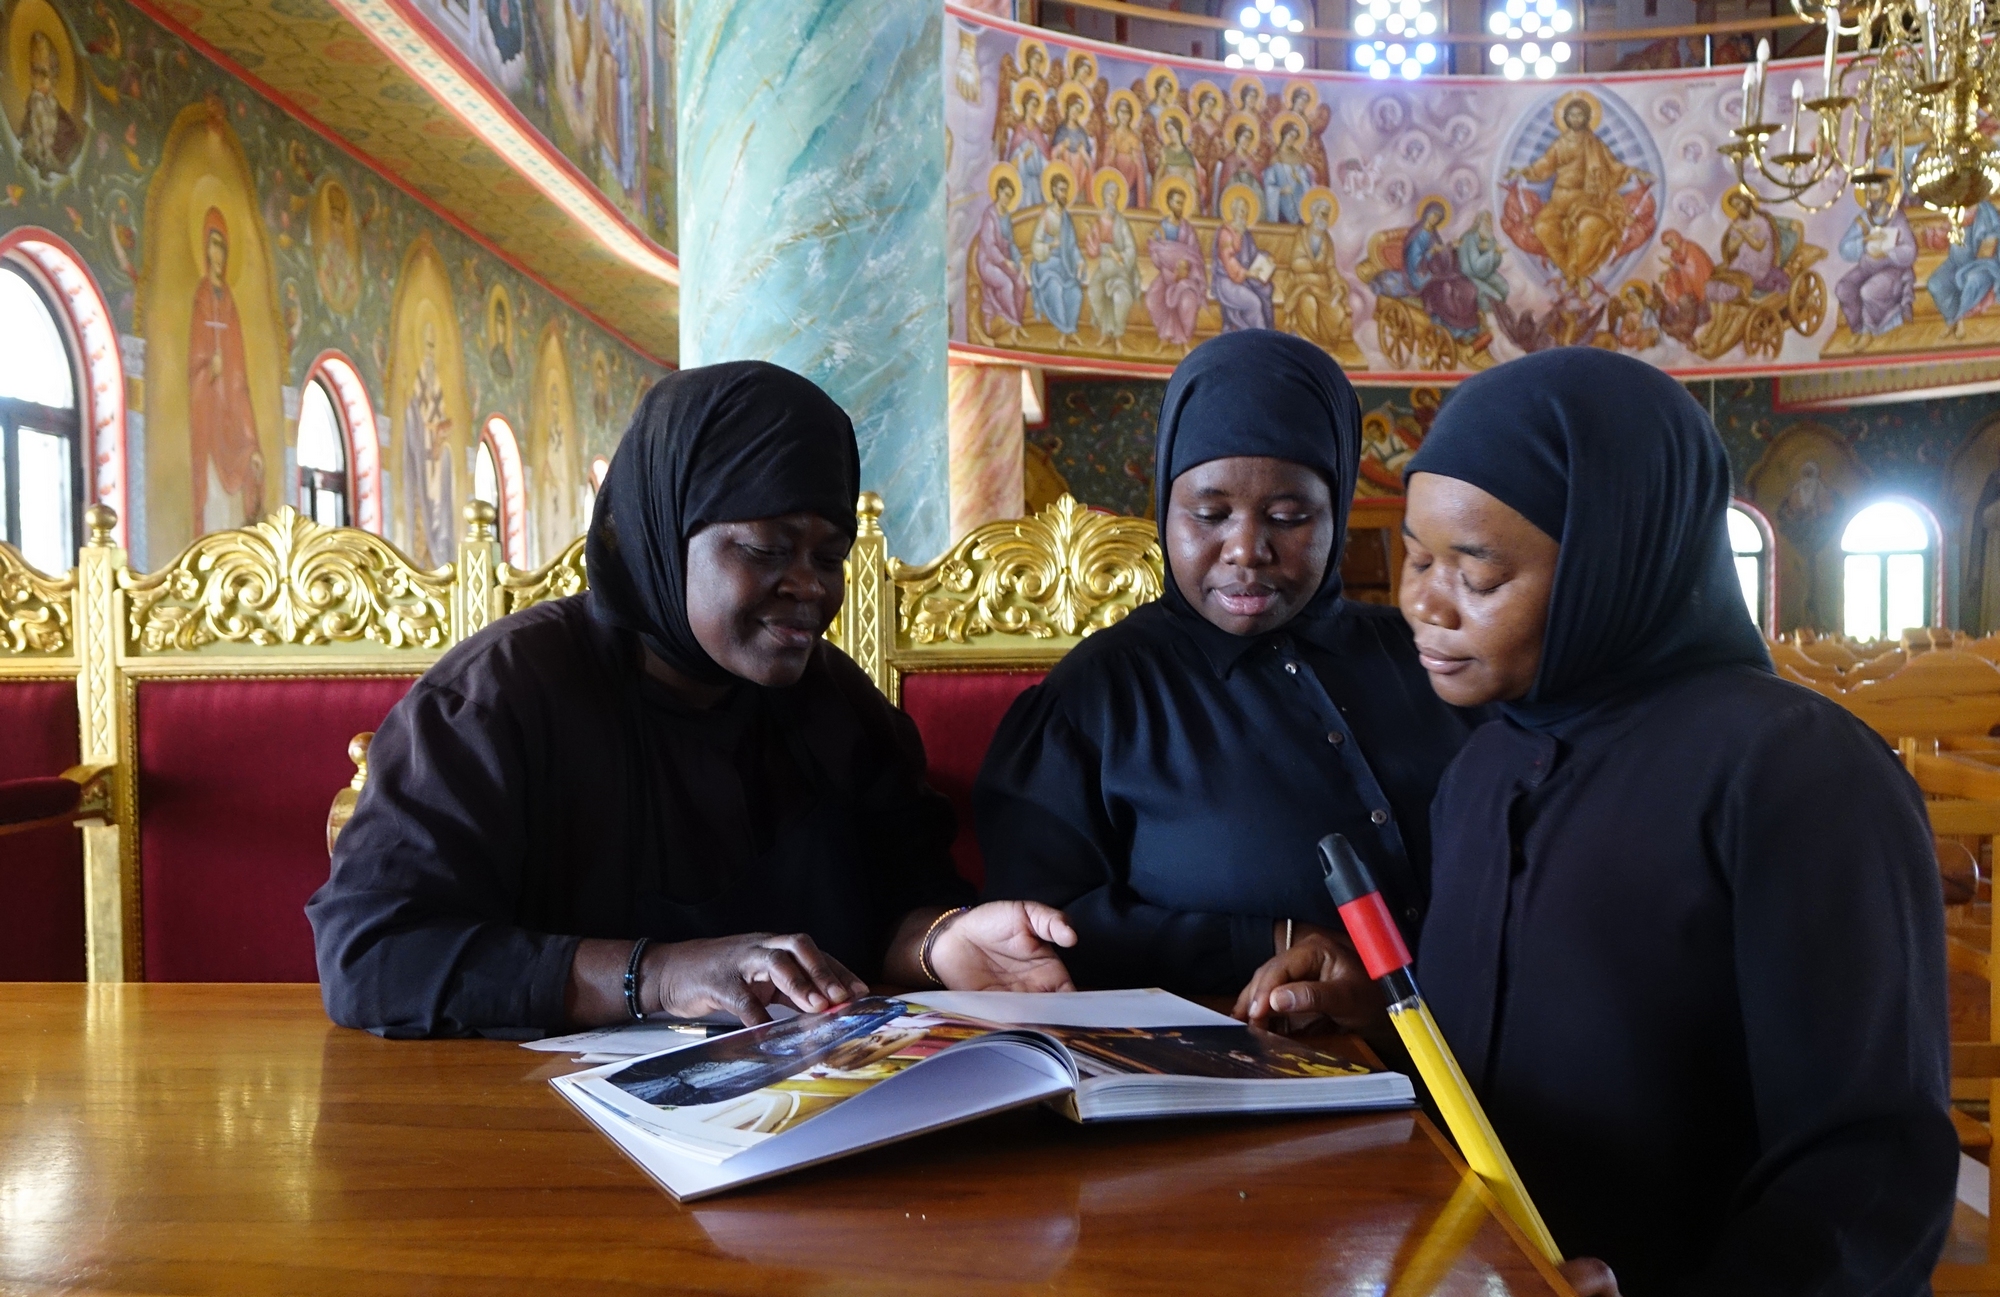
x,y
1167,785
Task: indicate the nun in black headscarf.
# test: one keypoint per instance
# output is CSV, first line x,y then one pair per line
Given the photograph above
x,y
1685,930
669,794
1167,782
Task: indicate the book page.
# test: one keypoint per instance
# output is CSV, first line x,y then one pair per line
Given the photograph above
x,y
1138,1008
1234,1053
714,1099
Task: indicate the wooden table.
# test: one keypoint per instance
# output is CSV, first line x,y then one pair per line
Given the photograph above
x,y
228,1139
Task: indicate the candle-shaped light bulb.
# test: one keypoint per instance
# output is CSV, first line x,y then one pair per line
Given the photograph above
x,y
1928,14
1763,69
1798,101
1749,81
1826,82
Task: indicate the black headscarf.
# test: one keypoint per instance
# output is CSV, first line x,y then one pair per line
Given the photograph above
x,y
1263,393
722,443
1617,462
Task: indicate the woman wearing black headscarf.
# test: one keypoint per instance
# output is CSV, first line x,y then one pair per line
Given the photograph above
x,y
607,805
1168,781
1685,931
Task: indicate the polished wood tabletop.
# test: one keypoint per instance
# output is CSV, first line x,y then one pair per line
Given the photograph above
x,y
228,1139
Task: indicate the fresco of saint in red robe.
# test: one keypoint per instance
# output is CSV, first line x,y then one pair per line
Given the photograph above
x,y
226,462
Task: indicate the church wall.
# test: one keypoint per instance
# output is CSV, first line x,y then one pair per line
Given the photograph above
x,y
157,156
1097,442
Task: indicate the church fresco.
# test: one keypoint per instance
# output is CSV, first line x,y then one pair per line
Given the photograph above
x,y
179,168
594,77
1416,231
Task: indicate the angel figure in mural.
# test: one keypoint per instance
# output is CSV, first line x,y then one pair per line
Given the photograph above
x,y
1288,177
1246,95
1125,152
1969,275
1597,209
1083,73
1313,289
1160,91
1003,281
1879,293
426,483
1634,315
226,459
1056,262
1206,137
1243,164
48,132
1179,287
1030,59
1111,261
1028,145
1073,144
1684,287
1302,99
1175,158
1242,272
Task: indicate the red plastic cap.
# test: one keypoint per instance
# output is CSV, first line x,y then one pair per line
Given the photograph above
x,y
1376,938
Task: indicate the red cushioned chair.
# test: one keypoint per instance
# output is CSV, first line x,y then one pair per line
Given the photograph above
x,y
956,640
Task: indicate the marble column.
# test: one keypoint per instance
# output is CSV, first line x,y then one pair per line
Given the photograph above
x,y
986,445
812,221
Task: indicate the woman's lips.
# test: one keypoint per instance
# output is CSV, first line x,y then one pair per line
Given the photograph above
x,y
1251,601
791,637
1439,664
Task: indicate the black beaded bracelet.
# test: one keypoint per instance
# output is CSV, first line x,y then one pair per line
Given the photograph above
x,y
632,977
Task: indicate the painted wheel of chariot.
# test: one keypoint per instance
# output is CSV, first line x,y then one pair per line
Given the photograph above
x,y
1764,335
1807,304
1393,331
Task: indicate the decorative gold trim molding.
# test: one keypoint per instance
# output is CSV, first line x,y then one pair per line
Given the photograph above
x,y
288,580
35,608
1061,574
565,575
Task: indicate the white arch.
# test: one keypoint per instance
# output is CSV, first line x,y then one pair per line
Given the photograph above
x,y
70,284
357,418
513,504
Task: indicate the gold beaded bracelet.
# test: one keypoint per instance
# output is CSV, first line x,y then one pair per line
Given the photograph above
x,y
930,939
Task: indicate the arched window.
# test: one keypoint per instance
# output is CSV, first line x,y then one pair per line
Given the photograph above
x,y
322,458
497,479
353,450
1750,543
1888,575
42,461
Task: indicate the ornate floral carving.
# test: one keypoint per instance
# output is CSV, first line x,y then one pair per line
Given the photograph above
x,y
558,580
1066,571
34,608
288,580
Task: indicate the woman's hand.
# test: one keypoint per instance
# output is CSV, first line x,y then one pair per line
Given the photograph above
x,y
1590,1277
1004,946
1319,977
742,975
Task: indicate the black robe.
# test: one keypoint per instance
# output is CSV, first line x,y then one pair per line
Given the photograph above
x,y
536,788
1168,782
1690,955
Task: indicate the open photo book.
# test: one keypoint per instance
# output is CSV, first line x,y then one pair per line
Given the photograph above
x,y
715,1114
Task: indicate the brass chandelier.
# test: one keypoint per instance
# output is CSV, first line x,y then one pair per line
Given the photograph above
x,y
1907,115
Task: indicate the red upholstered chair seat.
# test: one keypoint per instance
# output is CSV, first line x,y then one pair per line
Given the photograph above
x,y
41,870
234,778
957,712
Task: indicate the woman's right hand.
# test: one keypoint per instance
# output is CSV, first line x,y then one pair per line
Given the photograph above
x,y
742,975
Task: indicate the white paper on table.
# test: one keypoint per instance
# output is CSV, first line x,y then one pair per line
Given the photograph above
x,y
630,1039
1138,1008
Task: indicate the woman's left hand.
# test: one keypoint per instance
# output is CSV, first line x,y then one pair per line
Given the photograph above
x,y
1319,977
1004,946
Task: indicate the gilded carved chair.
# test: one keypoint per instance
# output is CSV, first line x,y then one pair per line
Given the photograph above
x,y
45,787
